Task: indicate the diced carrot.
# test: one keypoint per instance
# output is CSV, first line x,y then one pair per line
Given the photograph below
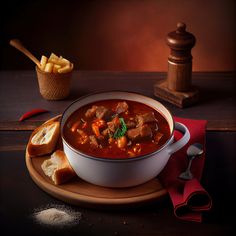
x,y
122,142
96,125
95,129
100,123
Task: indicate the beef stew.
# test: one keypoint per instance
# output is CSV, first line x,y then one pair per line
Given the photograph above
x,y
116,129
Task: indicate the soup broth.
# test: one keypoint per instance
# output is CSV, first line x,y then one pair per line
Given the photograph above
x,y
116,129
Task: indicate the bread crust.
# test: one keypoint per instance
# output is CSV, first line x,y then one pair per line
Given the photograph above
x,y
58,168
34,149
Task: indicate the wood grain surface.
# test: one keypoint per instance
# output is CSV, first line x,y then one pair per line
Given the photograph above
x,y
212,125
82,193
216,103
20,197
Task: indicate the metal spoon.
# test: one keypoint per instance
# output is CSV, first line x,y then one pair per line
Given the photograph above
x,y
193,151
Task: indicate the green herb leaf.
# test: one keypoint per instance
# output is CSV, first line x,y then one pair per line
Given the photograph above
x,y
121,130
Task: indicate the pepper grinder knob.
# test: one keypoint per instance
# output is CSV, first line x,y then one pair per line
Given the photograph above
x,y
180,59
181,27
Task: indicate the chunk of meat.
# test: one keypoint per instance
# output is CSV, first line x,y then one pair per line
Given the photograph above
x,y
91,112
158,137
154,126
83,138
102,141
102,112
122,107
114,124
142,132
93,141
130,124
105,132
145,118
75,126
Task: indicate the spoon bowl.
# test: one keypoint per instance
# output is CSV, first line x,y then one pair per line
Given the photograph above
x,y
193,151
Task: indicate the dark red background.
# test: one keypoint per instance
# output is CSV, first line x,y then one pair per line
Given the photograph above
x,y
119,35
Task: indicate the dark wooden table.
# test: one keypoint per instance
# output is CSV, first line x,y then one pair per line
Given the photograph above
x,y
19,196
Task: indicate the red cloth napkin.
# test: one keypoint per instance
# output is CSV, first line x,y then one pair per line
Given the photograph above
x,y
189,198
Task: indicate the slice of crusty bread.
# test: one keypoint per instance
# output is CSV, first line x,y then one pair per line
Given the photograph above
x,y
58,168
44,139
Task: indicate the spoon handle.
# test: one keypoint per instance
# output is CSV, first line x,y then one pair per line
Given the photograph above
x,y
190,163
18,45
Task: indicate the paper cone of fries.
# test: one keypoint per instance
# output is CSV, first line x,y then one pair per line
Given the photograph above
x,y
54,86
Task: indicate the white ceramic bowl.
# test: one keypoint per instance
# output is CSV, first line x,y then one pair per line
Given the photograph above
x,y
122,172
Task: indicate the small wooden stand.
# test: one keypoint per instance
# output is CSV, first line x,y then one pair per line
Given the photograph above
x,y
177,89
180,99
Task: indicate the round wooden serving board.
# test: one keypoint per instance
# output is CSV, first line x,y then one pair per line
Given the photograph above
x,y
81,193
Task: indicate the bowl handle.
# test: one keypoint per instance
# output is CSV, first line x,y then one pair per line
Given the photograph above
x,y
172,148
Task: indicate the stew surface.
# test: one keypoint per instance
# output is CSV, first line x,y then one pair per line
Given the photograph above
x,y
116,129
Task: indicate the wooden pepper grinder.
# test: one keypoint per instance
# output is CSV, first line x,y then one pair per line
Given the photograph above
x,y
177,89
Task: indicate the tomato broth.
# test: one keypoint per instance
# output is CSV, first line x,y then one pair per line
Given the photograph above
x,y
116,129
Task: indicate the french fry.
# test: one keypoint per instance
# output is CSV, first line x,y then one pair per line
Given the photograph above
x,y
43,62
62,62
48,67
53,57
54,61
64,69
56,68
55,64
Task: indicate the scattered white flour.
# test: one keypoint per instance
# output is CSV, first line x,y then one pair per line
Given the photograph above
x,y
57,216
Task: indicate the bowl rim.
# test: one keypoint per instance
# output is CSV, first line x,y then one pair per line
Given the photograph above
x,y
108,159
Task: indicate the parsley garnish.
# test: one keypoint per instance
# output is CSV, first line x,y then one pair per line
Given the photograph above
x,y
121,130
